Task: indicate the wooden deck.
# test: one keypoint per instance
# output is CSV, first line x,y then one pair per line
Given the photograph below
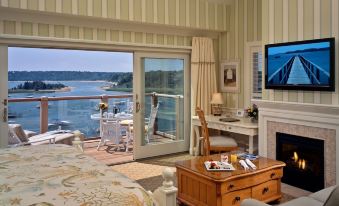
x,y
110,154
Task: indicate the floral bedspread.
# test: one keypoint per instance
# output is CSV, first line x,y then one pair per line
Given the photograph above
x,y
60,175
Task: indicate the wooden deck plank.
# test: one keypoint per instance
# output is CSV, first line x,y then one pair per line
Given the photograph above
x,y
109,155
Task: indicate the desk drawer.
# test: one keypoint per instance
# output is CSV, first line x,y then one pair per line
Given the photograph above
x,y
235,198
251,180
228,128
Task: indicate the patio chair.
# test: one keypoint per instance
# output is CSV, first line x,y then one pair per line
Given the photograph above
x,y
15,141
149,126
111,131
18,136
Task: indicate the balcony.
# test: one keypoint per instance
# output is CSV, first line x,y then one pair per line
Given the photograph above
x,y
76,113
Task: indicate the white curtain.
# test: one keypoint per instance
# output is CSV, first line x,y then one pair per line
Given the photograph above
x,y
203,78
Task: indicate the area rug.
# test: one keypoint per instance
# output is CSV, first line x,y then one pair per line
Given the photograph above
x,y
148,172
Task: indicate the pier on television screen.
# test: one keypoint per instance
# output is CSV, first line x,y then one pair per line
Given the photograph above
x,y
301,65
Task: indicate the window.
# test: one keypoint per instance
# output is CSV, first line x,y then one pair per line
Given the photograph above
x,y
256,68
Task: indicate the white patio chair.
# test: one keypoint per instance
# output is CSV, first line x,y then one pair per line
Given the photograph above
x,y
27,138
111,131
150,125
16,141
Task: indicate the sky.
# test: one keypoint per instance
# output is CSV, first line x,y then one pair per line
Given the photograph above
x,y
284,49
36,59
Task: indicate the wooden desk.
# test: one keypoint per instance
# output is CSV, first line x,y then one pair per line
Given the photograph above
x,y
199,187
244,126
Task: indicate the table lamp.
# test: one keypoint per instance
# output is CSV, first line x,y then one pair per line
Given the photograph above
x,y
216,101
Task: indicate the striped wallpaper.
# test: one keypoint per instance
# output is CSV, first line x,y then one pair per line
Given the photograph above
x,y
87,33
191,14
292,20
245,25
185,13
237,23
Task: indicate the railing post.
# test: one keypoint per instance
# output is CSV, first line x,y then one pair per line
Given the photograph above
x,y
43,114
104,99
154,104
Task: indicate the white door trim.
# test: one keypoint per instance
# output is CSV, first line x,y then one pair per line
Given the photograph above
x,y
248,72
149,150
3,95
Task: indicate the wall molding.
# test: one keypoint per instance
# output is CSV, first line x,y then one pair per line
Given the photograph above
x,y
97,22
53,42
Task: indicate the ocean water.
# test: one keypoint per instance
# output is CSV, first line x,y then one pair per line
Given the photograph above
x,y
78,112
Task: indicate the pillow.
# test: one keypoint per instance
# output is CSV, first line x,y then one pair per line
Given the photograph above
x,y
333,199
12,138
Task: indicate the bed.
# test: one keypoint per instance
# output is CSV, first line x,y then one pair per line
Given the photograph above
x,y
60,175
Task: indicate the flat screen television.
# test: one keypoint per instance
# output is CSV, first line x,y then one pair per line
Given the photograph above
x,y
301,65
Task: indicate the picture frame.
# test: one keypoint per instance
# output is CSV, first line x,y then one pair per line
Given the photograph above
x,y
240,113
230,76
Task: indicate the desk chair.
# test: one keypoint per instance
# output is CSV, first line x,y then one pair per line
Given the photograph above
x,y
216,143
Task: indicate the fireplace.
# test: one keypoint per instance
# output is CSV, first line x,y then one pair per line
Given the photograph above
x,y
304,158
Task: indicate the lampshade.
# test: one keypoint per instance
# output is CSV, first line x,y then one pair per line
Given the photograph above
x,y
217,99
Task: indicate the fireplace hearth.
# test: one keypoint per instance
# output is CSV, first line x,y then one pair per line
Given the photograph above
x,y
304,158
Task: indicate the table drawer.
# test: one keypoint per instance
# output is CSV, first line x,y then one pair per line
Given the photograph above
x,y
227,128
235,198
251,180
266,190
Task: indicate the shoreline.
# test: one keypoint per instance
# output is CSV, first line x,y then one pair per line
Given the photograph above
x,y
65,89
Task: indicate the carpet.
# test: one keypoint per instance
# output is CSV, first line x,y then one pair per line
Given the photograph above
x,y
148,172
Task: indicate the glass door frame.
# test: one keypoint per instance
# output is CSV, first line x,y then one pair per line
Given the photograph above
x,y
150,150
3,96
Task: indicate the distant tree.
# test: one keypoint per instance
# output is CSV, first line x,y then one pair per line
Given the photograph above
x,y
38,85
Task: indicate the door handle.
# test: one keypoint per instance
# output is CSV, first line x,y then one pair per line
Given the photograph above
x,y
5,115
137,107
5,102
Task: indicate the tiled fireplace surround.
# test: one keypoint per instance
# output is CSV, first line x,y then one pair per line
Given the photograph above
x,y
328,135
307,120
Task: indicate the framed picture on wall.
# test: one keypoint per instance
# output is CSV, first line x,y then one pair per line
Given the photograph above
x,y
229,76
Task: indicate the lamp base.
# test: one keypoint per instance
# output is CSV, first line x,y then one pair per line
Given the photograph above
x,y
216,110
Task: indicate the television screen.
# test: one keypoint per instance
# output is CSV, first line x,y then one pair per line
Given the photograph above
x,y
302,65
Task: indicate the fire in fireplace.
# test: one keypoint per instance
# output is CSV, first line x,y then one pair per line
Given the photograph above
x,y
304,158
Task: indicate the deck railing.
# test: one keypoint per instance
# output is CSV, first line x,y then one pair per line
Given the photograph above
x,y
44,107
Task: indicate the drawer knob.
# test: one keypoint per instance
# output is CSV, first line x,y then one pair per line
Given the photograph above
x,y
230,187
265,190
229,127
272,175
236,199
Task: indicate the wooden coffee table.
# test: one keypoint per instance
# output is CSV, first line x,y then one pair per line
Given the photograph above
x,y
197,186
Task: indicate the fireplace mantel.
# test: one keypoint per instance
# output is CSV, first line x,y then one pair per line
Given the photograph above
x,y
309,120
296,106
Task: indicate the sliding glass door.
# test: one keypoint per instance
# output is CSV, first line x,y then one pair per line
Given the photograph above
x,y
161,96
